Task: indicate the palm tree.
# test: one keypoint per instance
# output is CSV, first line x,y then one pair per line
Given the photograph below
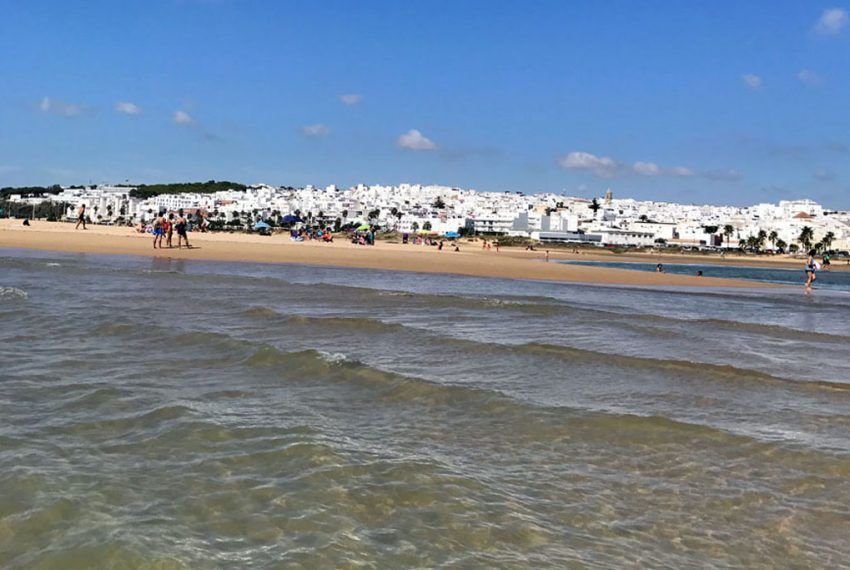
x,y
827,240
807,235
760,239
773,236
594,206
781,245
728,230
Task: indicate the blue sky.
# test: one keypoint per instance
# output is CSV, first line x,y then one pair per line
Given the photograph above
x,y
715,102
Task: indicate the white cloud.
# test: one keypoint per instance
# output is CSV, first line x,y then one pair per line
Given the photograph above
x,y
647,168
315,131
752,81
607,167
350,99
809,77
414,140
128,108
57,107
832,21
652,169
601,166
183,118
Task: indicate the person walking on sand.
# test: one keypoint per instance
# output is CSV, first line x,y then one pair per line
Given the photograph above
x,y
811,267
158,231
547,255
81,217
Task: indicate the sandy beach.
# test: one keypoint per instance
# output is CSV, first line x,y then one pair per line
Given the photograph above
x,y
471,260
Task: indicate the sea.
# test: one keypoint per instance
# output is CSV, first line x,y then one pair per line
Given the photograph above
x,y
163,413
832,280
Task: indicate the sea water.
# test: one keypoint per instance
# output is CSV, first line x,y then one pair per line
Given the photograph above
x,y
160,413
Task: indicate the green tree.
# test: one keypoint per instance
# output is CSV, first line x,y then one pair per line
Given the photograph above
x,y
772,237
781,245
426,226
806,237
439,204
827,240
414,226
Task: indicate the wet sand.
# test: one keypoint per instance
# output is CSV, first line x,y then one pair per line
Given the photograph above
x,y
472,260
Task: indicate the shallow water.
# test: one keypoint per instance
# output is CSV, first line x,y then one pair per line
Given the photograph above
x,y
174,414
831,280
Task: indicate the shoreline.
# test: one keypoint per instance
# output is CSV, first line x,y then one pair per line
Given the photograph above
x,y
472,260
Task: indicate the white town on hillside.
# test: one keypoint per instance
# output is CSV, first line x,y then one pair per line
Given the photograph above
x,y
443,209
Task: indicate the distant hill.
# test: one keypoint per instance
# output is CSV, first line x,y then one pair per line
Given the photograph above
x,y
208,187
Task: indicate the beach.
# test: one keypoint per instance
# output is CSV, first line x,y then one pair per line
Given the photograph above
x,y
472,260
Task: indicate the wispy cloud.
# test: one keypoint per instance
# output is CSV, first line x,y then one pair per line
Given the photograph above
x,y
752,80
809,77
414,140
351,99
128,108
832,21
729,175
607,167
315,131
823,175
183,118
57,107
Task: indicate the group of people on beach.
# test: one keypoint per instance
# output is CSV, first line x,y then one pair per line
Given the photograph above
x,y
164,226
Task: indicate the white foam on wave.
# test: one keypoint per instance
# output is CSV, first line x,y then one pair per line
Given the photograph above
x,y
333,357
13,293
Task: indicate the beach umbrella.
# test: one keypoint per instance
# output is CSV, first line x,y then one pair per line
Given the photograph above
x,y
452,234
261,226
363,227
290,219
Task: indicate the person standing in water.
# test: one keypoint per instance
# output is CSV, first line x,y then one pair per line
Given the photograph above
x,y
810,269
81,217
